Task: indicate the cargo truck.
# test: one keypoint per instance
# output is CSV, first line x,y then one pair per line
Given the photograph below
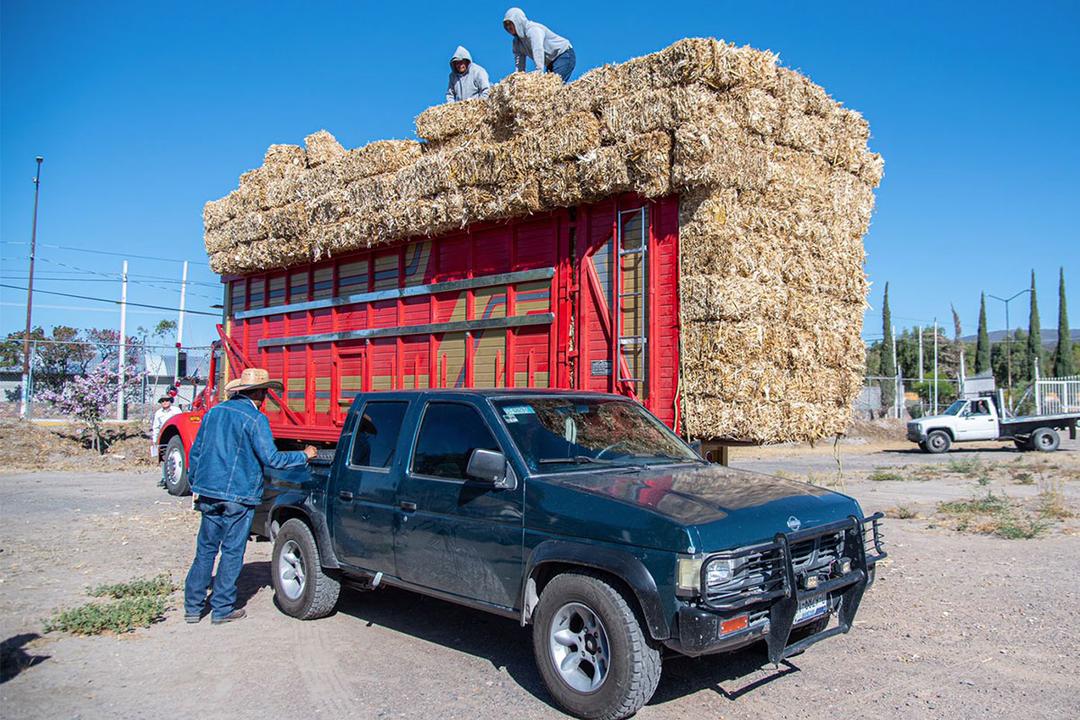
x,y
582,298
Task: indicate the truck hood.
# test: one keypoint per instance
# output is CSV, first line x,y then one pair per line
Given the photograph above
x,y
691,508
936,419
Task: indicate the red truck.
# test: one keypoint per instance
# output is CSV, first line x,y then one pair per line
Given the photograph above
x,y
581,298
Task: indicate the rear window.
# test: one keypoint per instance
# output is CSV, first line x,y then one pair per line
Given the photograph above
x,y
377,434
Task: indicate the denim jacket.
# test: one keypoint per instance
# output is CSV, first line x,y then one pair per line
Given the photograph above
x,y
232,447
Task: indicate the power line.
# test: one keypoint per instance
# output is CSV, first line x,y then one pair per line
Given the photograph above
x,y
114,302
106,252
102,274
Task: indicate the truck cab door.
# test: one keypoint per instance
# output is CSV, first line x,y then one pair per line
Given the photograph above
x,y
456,534
364,491
977,421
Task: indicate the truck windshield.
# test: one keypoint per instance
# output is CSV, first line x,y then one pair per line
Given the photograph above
x,y
561,434
956,407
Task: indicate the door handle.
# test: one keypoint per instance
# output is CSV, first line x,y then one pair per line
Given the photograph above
x,y
408,506
345,495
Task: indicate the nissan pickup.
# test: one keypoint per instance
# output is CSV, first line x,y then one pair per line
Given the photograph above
x,y
580,514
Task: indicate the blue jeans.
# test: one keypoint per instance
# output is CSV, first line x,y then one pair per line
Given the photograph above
x,y
563,65
225,526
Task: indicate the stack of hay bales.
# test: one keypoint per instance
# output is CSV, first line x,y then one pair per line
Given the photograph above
x,y
775,182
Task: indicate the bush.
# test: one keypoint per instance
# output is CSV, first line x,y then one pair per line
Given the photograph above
x,y
882,474
117,617
143,587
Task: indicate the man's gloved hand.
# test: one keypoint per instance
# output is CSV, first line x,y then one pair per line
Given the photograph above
x,y
311,451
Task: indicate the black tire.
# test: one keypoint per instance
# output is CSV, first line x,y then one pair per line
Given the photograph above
x,y
1045,440
315,594
634,660
174,469
938,441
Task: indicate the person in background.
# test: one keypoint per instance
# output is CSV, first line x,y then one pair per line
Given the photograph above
x,y
549,52
165,410
467,79
227,461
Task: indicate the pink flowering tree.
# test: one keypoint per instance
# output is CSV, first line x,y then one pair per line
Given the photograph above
x,y
92,397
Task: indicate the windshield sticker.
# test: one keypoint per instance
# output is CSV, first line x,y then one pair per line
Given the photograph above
x,y
518,410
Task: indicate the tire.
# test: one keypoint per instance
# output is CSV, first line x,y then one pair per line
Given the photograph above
x,y
301,588
922,446
938,441
633,660
174,469
1045,440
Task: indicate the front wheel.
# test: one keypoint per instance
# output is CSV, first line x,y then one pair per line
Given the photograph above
x,y
174,468
592,653
938,442
1045,440
301,588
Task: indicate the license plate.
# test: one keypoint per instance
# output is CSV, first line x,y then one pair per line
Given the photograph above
x,y
811,607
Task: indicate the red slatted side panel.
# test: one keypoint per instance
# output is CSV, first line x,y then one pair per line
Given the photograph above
x,y
664,309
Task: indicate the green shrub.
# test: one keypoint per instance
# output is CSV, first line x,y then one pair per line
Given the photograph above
x,y
118,617
142,587
882,474
965,466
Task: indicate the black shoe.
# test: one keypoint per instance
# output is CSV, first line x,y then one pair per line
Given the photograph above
x,y
192,619
234,615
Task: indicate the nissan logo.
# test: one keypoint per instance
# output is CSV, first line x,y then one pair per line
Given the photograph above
x,y
794,523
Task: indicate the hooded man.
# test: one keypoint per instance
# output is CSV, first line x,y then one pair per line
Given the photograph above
x,y
549,52
467,79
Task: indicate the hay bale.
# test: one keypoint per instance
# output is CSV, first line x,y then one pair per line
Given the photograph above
x,y
322,147
775,184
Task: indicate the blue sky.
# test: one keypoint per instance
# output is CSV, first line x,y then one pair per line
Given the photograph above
x,y
144,111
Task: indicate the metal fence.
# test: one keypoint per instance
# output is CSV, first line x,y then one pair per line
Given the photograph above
x,y
1057,395
54,364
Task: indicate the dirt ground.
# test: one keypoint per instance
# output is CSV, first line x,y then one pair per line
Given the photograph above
x,y
958,625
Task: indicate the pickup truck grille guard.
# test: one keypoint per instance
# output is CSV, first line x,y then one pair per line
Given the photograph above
x,y
776,572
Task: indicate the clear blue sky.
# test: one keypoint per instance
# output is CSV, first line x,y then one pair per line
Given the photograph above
x,y
144,111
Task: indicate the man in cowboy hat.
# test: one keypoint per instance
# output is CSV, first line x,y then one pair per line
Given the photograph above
x,y
233,447
165,410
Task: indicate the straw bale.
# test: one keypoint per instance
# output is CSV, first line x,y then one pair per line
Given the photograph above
x,y
603,172
559,185
798,93
525,100
658,109
327,208
245,228
322,147
442,122
218,212
703,158
381,156
427,176
252,190
281,158
567,137
710,298
648,163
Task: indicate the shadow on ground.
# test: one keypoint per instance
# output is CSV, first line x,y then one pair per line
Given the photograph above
x,y
14,658
507,645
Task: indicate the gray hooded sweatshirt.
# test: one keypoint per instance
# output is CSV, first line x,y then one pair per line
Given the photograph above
x,y
469,84
533,40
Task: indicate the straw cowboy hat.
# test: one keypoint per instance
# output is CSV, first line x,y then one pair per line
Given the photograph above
x,y
252,379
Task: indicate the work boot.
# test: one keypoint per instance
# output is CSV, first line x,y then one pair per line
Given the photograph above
x,y
234,615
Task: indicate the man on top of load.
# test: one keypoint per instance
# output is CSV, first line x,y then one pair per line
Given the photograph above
x,y
467,79
549,52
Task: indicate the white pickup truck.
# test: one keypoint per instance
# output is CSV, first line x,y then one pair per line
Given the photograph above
x,y
979,419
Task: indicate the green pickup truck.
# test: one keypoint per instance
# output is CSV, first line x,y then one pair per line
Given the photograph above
x,y
578,513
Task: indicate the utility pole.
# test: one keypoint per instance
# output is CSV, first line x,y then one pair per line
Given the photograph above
x,y
180,328
897,400
920,355
1008,341
121,376
935,368
24,410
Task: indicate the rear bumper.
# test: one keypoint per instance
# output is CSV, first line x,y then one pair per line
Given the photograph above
x,y
699,628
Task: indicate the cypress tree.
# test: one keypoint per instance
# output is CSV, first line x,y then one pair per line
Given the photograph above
x,y
1034,338
1063,356
982,346
888,367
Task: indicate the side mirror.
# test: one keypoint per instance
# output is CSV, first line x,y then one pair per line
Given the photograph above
x,y
491,466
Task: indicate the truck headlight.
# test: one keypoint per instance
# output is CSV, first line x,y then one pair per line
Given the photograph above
x,y
719,571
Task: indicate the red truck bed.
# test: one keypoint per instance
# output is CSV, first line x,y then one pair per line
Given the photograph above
x,y
524,303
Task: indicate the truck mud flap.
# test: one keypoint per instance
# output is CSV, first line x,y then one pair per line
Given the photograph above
x,y
851,586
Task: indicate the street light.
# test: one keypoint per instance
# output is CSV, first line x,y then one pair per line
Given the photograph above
x,y
1008,335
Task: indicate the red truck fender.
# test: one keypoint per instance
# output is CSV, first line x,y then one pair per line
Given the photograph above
x,y
185,426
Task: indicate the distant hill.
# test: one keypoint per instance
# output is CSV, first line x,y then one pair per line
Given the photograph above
x,y
1049,336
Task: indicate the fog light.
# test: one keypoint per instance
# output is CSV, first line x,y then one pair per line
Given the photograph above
x,y
810,582
845,566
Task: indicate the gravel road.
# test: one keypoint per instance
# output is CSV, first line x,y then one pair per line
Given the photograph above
x,y
957,626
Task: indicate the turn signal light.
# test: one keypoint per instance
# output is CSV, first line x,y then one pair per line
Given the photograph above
x,y
734,624
845,566
810,582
